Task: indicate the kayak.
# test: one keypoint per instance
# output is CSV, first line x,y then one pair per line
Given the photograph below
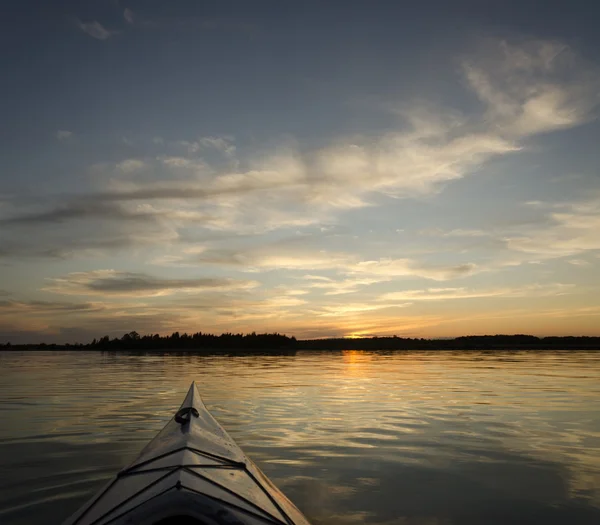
x,y
191,473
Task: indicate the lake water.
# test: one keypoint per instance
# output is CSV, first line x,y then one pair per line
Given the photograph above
x,y
411,438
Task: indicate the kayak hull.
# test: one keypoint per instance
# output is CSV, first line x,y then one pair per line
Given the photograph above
x,y
191,472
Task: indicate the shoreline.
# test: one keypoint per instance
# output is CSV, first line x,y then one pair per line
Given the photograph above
x,y
276,344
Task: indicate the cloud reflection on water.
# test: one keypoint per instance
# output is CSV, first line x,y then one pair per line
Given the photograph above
x,y
383,438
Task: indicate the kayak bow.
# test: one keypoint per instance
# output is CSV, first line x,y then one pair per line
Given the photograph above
x,y
192,473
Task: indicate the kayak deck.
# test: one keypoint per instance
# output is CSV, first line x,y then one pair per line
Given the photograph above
x,y
193,471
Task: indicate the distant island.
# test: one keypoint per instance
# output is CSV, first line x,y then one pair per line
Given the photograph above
x,y
277,343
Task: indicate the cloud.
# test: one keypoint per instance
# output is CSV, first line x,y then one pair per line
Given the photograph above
x,y
406,267
445,294
285,302
223,144
296,255
131,165
280,195
65,213
191,147
524,89
572,229
129,16
179,162
340,286
43,307
93,241
549,230
252,182
287,254
342,310
111,282
105,211
579,262
47,321
213,308
457,232
401,164
63,134
97,228
95,30
533,86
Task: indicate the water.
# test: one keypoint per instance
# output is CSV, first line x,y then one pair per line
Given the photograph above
x,y
411,438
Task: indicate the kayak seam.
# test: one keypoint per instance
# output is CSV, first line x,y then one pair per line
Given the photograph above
x,y
289,520
132,509
158,469
259,511
226,461
264,518
98,520
229,491
240,464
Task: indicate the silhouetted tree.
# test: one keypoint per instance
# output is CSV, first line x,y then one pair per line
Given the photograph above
x,y
274,342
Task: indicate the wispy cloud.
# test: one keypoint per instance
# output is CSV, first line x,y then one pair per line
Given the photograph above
x,y
101,228
355,273
111,282
553,229
345,285
579,262
573,229
524,89
129,16
47,321
45,307
446,294
131,165
531,87
189,146
408,268
95,30
145,214
523,92
290,254
63,134
223,144
457,232
347,309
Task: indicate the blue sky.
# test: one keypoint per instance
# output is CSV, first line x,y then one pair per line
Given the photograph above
x,y
313,168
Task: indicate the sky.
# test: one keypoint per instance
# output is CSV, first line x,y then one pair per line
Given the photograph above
x,y
319,169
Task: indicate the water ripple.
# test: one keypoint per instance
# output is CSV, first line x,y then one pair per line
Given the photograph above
x,y
352,437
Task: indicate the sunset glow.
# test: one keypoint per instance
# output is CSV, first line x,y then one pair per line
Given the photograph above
x,y
171,169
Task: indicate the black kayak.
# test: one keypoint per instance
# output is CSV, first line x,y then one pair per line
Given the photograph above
x,y
191,473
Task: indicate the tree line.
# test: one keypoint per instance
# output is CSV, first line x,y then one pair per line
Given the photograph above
x,y
275,342
472,342
196,341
